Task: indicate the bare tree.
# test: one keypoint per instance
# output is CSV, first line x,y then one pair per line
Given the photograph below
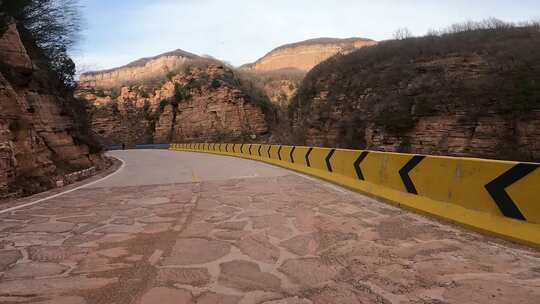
x,y
402,33
54,25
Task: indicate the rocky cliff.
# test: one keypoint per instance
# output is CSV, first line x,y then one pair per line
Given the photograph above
x,y
203,103
140,71
305,55
39,139
475,93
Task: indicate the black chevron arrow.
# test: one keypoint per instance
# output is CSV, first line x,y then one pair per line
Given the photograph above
x,y
250,146
404,173
357,164
292,154
260,147
269,148
497,189
307,157
329,158
241,148
279,152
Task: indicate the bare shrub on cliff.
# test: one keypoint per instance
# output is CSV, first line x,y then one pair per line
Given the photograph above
x,y
402,33
54,26
256,93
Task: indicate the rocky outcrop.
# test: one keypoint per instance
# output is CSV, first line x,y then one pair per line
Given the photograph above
x,y
202,104
39,139
305,55
140,71
433,95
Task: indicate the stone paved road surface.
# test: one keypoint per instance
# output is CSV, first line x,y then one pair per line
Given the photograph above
x,y
176,227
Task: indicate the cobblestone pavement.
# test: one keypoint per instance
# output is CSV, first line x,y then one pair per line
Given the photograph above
x,y
192,228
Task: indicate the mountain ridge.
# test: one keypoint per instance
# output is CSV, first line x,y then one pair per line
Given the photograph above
x,y
142,61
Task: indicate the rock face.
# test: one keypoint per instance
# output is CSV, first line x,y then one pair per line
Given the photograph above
x,y
142,70
306,54
39,139
201,104
432,95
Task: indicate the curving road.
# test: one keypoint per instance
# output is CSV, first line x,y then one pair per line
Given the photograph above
x,y
173,227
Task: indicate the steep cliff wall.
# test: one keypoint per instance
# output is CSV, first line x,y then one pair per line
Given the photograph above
x,y
142,70
201,104
466,94
39,140
305,55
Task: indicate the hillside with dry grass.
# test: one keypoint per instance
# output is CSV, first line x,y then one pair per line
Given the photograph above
x,y
470,90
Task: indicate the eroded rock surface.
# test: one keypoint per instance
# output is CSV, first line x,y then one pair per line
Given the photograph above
x,y
199,104
42,133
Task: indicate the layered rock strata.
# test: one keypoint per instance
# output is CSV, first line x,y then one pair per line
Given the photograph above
x,y
39,139
202,104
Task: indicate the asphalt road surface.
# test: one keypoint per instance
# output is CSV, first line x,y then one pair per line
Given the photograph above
x,y
173,227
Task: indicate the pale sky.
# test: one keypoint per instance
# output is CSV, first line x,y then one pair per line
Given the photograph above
x,y
241,31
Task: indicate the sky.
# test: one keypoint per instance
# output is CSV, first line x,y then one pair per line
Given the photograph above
x,y
117,32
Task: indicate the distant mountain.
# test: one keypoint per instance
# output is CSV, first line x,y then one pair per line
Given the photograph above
x,y
306,54
140,71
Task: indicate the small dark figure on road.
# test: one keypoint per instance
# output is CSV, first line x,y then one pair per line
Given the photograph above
x,y
123,146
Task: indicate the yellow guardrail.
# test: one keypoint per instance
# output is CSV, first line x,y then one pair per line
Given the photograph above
x,y
501,198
